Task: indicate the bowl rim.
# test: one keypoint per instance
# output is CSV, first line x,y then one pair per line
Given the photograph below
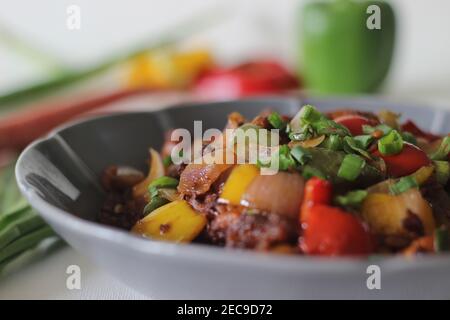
x,y
201,252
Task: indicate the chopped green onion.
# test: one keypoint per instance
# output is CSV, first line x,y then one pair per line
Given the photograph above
x,y
156,200
441,240
302,136
352,199
442,171
409,137
332,142
164,182
404,184
301,155
391,144
276,121
309,122
309,172
285,160
154,204
352,145
364,140
351,167
443,150
167,161
309,114
381,127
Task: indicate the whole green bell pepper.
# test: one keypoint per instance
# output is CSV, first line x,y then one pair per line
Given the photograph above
x,y
341,54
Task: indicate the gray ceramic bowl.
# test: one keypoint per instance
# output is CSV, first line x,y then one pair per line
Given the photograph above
x,y
59,175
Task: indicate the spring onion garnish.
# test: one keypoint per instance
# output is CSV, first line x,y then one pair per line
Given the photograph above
x,y
364,140
443,150
442,171
404,184
309,172
309,114
163,182
353,145
285,159
351,167
301,155
391,144
441,240
167,161
309,122
332,142
409,137
305,133
156,200
276,121
352,199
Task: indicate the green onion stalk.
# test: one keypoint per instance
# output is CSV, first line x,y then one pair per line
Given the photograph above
x,y
70,77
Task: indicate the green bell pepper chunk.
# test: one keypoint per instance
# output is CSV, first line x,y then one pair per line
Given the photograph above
x,y
340,53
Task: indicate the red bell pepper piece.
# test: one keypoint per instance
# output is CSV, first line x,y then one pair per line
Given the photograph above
x,y
354,123
328,230
331,231
317,191
409,160
253,78
411,127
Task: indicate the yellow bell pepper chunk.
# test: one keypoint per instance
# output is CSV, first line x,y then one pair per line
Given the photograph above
x,y
238,181
175,221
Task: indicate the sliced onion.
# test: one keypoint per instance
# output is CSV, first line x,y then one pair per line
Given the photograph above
x,y
156,171
311,143
387,213
197,178
281,194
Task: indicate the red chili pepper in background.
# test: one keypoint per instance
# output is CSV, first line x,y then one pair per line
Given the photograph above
x,y
411,127
409,160
248,79
329,230
354,123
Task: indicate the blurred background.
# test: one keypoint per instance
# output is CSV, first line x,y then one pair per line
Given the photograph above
x,y
60,59
248,29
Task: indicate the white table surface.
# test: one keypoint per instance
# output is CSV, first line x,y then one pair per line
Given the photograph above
x,y
46,279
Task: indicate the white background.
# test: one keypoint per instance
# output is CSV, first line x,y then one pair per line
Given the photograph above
x,y
253,27
421,70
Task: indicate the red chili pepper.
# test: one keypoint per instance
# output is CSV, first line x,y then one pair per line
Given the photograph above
x,y
329,230
354,123
411,127
409,160
253,78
